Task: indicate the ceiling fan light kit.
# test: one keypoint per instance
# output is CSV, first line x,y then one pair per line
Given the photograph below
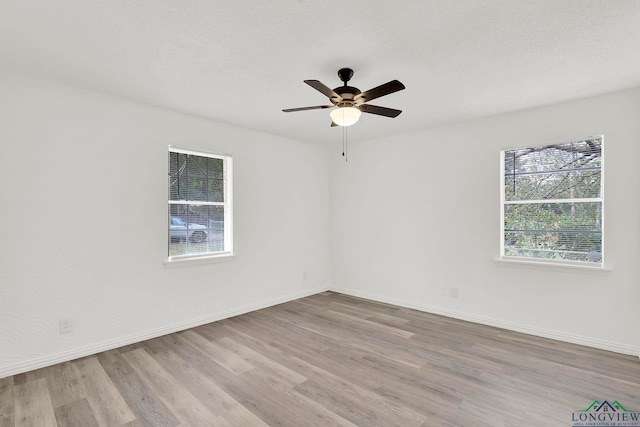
x,y
350,101
345,116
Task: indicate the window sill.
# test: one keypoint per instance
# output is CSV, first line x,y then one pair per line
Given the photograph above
x,y
198,260
596,267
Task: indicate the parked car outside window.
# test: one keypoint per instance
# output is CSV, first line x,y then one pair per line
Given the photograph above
x,y
179,230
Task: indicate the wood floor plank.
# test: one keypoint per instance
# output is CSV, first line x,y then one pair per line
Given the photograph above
x,y
269,398
359,408
241,416
393,410
211,331
217,352
200,386
336,333
7,406
142,400
33,406
367,313
175,396
109,356
64,384
107,404
182,348
296,408
29,376
262,362
378,327
327,359
229,412
394,382
76,413
270,326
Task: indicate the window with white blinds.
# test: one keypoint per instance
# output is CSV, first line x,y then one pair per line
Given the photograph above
x,y
200,205
552,202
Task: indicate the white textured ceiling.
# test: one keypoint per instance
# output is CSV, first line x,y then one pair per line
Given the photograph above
x,y
242,61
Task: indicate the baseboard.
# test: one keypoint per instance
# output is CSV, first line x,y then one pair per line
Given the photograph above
x,y
41,362
540,332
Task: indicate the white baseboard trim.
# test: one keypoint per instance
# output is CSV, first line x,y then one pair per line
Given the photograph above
x,y
517,327
76,353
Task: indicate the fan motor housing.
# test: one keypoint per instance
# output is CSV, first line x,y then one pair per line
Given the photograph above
x,y
347,93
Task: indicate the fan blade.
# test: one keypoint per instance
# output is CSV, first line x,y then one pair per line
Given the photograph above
x,y
377,92
329,93
381,111
317,107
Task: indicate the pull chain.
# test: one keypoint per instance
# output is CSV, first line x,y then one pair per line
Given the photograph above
x,y
344,143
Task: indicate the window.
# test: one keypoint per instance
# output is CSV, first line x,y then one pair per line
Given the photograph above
x,y
200,205
552,202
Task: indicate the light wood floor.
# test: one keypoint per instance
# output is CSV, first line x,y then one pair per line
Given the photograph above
x,y
325,360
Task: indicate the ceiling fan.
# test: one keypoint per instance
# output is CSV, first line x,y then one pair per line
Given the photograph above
x,y
350,101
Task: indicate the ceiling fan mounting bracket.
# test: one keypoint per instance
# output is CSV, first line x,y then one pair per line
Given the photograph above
x,y
345,74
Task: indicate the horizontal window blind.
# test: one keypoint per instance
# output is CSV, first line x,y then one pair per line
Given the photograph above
x,y
552,204
199,203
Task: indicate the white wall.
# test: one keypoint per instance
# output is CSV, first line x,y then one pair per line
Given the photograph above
x,y
83,223
419,211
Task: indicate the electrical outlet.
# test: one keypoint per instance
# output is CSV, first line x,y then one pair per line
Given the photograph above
x,y
453,292
304,276
66,326
443,291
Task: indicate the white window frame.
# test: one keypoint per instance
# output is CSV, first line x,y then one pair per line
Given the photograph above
x,y
227,204
530,260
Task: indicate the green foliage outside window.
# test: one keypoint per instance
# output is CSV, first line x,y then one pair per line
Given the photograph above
x,y
553,201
